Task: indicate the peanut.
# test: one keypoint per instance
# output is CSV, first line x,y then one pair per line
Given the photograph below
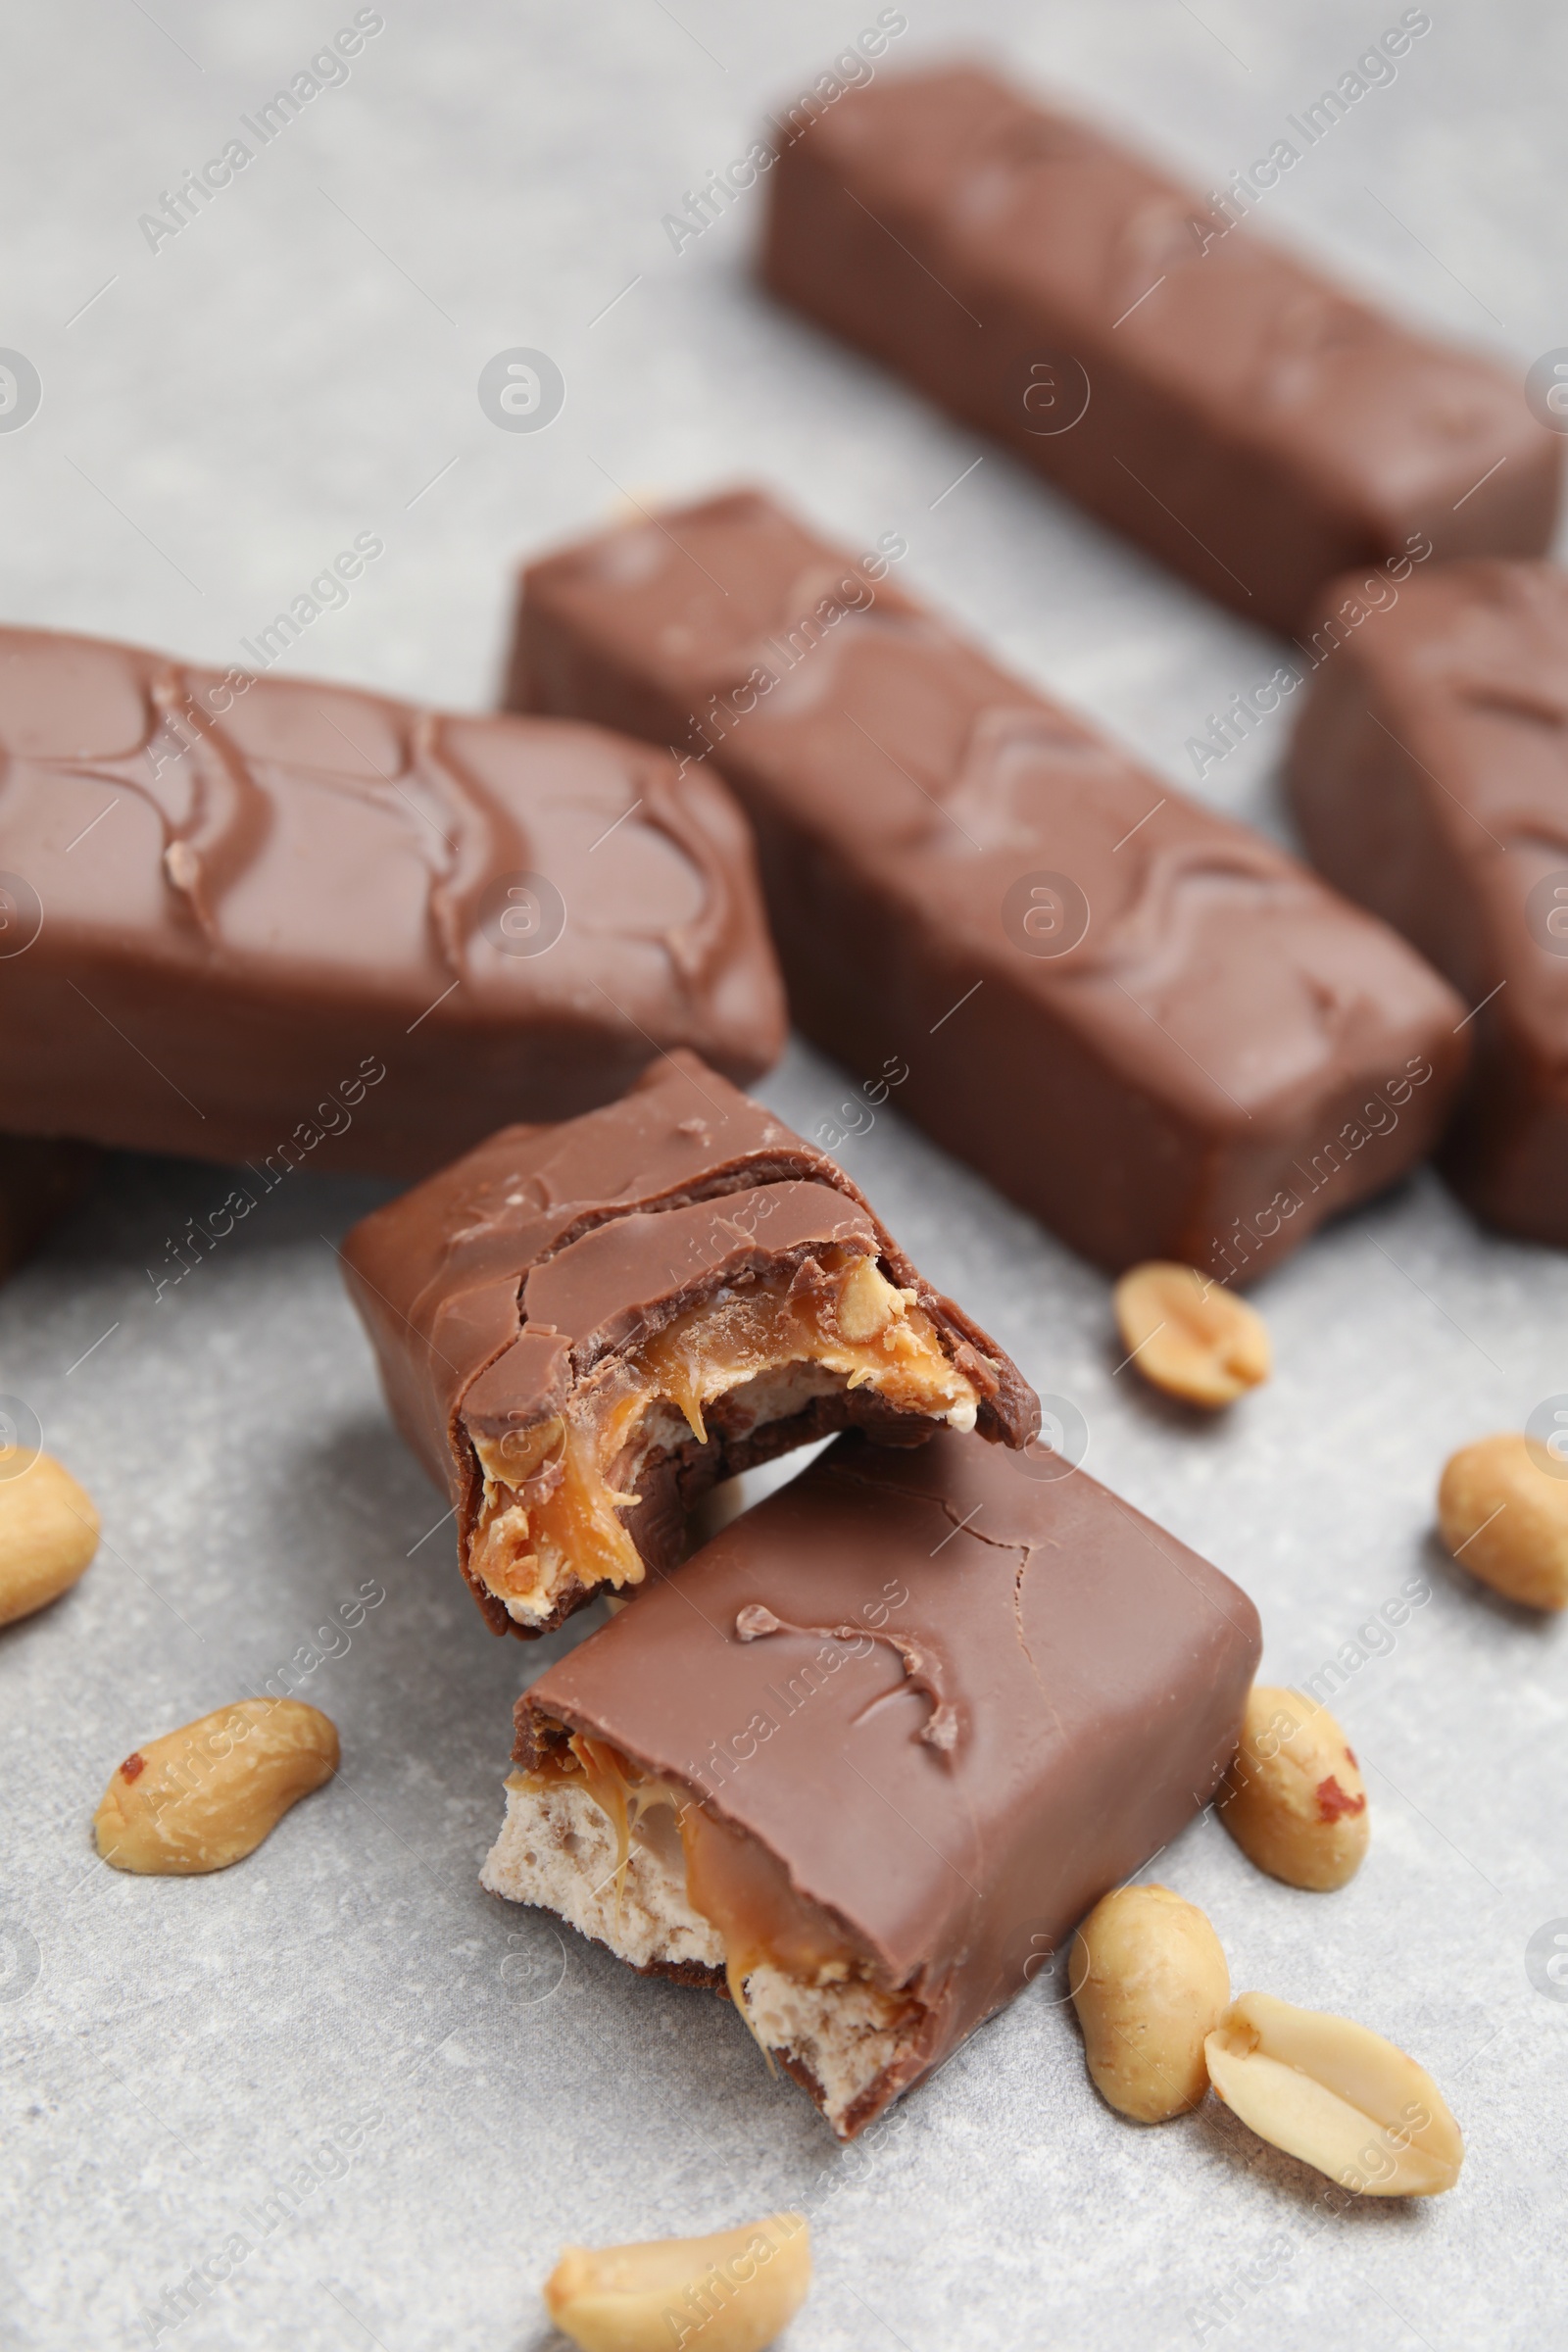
x,y
1294,1800
1194,1339
732,2292
1336,2095
868,1301
1149,1984
1506,1520
48,1535
205,1795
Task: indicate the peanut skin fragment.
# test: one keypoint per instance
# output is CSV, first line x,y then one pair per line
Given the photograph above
x,y
205,1795
1149,1984
1189,1336
48,1536
735,2291
1294,1799
1337,2096
1506,1520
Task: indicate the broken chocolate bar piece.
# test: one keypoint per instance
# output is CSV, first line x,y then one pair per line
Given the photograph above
x,y
238,914
582,1328
1429,777
1230,410
1142,1021
40,1179
874,1751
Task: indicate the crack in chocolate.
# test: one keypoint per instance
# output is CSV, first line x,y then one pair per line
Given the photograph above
x,y
1024,1566
922,1671
1024,1551
964,1526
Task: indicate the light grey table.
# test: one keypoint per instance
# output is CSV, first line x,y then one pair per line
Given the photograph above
x,y
434,2092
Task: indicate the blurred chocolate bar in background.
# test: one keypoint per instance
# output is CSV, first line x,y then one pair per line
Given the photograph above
x,y
1428,775
1232,411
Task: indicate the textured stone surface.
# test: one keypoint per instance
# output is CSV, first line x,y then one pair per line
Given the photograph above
x,y
265,387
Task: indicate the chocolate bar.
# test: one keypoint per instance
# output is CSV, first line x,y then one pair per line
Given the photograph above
x,y
1144,1024
237,914
1228,408
582,1328
1428,775
871,1753
40,1179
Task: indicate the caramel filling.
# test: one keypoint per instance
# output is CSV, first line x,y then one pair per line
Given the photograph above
x,y
554,1493
739,1887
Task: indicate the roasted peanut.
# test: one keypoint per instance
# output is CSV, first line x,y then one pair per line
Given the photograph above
x,y
1191,1337
1294,1800
48,1535
1149,1984
1506,1520
205,1795
1336,2095
732,2292
868,1301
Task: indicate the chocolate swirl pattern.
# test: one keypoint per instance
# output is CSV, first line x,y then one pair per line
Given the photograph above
x,y
252,889
485,838
1131,1014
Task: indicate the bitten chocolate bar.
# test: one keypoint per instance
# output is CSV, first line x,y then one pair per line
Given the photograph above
x,y
1429,777
580,1327
871,1753
1144,1024
226,900
1229,408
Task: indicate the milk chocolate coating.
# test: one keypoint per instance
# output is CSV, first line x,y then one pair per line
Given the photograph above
x,y
1096,1670
251,895
1247,421
40,1181
1156,1076
1429,777
490,1290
